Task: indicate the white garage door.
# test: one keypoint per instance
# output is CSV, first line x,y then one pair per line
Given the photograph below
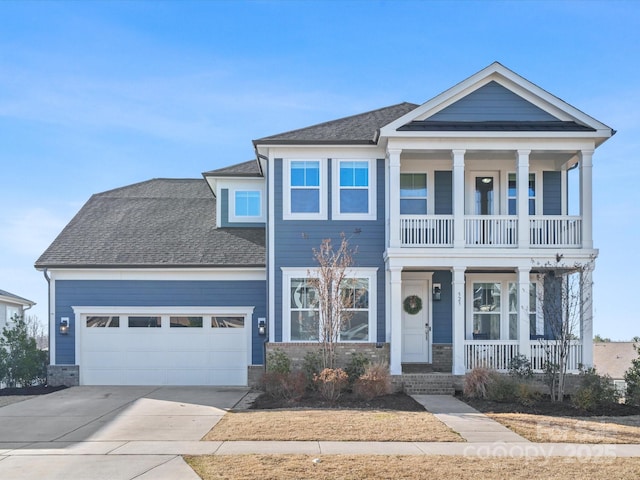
x,y
149,347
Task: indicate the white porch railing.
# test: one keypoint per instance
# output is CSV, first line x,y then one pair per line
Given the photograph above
x,y
555,231
491,230
496,354
426,230
541,350
493,354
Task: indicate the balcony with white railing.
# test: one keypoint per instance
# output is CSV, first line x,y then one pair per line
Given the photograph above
x,y
491,231
496,354
555,231
426,230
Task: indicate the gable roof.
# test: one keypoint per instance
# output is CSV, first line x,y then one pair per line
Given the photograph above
x,y
157,223
358,129
13,298
522,106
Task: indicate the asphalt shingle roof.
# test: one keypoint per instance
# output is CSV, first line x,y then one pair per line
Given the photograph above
x,y
357,129
245,169
157,223
4,293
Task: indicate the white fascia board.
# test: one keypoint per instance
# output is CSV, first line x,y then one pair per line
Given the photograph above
x,y
510,80
327,151
213,274
485,258
15,301
493,142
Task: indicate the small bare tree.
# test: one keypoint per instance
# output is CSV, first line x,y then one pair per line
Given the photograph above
x,y
329,280
36,330
564,300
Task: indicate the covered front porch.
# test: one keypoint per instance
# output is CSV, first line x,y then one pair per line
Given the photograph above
x,y
483,317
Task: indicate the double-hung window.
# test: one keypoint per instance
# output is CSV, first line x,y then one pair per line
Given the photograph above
x,y
353,189
413,193
512,194
304,189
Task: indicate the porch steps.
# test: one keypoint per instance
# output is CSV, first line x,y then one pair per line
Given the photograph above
x,y
428,383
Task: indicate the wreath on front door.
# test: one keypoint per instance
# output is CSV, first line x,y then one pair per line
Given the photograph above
x,y
412,304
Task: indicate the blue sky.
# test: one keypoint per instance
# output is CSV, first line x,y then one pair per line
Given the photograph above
x,y
96,95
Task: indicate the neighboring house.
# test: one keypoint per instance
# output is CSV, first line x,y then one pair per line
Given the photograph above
x,y
614,359
12,305
452,205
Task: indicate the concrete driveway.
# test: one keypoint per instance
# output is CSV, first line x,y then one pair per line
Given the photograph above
x,y
76,433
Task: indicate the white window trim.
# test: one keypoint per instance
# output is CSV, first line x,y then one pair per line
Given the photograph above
x,y
288,273
504,280
335,191
287,214
233,218
536,197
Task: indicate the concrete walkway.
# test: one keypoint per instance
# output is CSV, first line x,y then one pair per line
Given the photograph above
x,y
472,425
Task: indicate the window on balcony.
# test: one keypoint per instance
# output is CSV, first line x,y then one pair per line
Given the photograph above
x,y
512,194
413,193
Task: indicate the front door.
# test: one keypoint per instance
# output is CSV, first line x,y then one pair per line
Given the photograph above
x,y
416,330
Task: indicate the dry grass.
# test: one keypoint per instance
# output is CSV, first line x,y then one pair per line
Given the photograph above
x,y
332,425
285,467
542,428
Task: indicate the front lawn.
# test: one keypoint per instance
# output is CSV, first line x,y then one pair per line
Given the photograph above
x,y
332,425
290,467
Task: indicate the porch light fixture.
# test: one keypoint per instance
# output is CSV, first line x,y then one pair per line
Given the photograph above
x,y
437,288
487,180
262,326
64,326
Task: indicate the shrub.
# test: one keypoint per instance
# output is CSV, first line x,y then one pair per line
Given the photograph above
x,y
278,362
21,363
288,386
476,382
356,367
331,382
374,382
520,367
526,394
311,366
595,391
502,388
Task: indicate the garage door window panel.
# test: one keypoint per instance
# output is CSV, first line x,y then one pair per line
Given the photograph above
x,y
227,322
185,322
145,322
103,322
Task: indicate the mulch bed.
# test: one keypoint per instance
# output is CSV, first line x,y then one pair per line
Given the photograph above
x,y
394,401
35,390
546,407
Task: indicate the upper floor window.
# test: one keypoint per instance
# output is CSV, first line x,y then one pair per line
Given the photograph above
x,y
413,193
512,194
248,203
353,190
304,186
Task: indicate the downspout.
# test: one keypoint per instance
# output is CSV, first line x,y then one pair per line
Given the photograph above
x,y
266,262
48,279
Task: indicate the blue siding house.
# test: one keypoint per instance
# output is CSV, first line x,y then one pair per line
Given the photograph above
x,y
458,208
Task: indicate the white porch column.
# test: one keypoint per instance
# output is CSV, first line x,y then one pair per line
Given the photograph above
x,y
395,299
524,342
522,179
394,197
586,323
586,205
458,333
458,198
